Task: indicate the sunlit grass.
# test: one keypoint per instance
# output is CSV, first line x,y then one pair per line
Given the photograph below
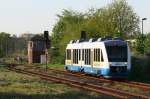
x,y
58,66
54,66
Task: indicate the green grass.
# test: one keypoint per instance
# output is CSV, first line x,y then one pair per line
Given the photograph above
x,y
19,86
56,66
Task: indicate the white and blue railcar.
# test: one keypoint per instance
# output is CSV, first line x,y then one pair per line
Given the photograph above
x,y
109,58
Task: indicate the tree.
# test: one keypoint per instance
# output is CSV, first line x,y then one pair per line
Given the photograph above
x,y
68,27
140,44
147,44
10,45
4,41
116,19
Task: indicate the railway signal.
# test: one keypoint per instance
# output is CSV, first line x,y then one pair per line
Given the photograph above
x,y
47,45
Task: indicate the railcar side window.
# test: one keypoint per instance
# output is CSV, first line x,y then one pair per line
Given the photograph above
x,y
68,56
82,54
89,60
97,55
102,59
87,56
75,56
79,54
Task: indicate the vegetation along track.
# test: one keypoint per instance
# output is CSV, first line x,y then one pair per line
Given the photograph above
x,y
82,84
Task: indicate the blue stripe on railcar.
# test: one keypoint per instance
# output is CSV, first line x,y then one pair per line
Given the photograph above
x,y
72,68
98,71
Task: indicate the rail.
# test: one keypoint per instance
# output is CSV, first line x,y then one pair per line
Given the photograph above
x,y
83,85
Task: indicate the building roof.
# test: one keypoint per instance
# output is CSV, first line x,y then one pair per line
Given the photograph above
x,y
38,38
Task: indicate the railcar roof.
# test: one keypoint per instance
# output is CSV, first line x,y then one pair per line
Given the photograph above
x,y
95,44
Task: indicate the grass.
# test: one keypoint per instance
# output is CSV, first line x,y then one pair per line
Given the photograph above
x,y
56,66
19,86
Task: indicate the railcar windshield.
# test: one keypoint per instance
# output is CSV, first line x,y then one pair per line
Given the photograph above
x,y
117,53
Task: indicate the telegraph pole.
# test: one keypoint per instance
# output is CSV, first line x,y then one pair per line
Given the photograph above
x,y
143,35
142,24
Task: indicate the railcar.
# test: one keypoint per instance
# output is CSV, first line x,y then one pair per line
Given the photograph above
x,y
107,57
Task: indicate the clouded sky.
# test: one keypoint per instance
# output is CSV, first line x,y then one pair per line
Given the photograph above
x,y
35,16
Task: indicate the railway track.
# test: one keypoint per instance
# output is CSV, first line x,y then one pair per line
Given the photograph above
x,y
144,86
81,84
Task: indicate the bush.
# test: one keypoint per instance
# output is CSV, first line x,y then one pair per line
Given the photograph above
x,y
140,70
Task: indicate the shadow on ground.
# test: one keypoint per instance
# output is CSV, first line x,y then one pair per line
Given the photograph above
x,y
68,95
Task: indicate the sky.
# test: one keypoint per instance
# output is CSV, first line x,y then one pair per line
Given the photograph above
x,y
35,16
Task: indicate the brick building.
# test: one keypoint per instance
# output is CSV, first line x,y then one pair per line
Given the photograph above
x,y
36,49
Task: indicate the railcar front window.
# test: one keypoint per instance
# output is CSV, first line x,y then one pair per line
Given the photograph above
x,y
117,53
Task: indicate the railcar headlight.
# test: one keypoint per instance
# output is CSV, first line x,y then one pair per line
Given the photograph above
x,y
125,63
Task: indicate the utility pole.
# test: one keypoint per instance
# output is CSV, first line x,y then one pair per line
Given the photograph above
x,y
142,24
143,34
